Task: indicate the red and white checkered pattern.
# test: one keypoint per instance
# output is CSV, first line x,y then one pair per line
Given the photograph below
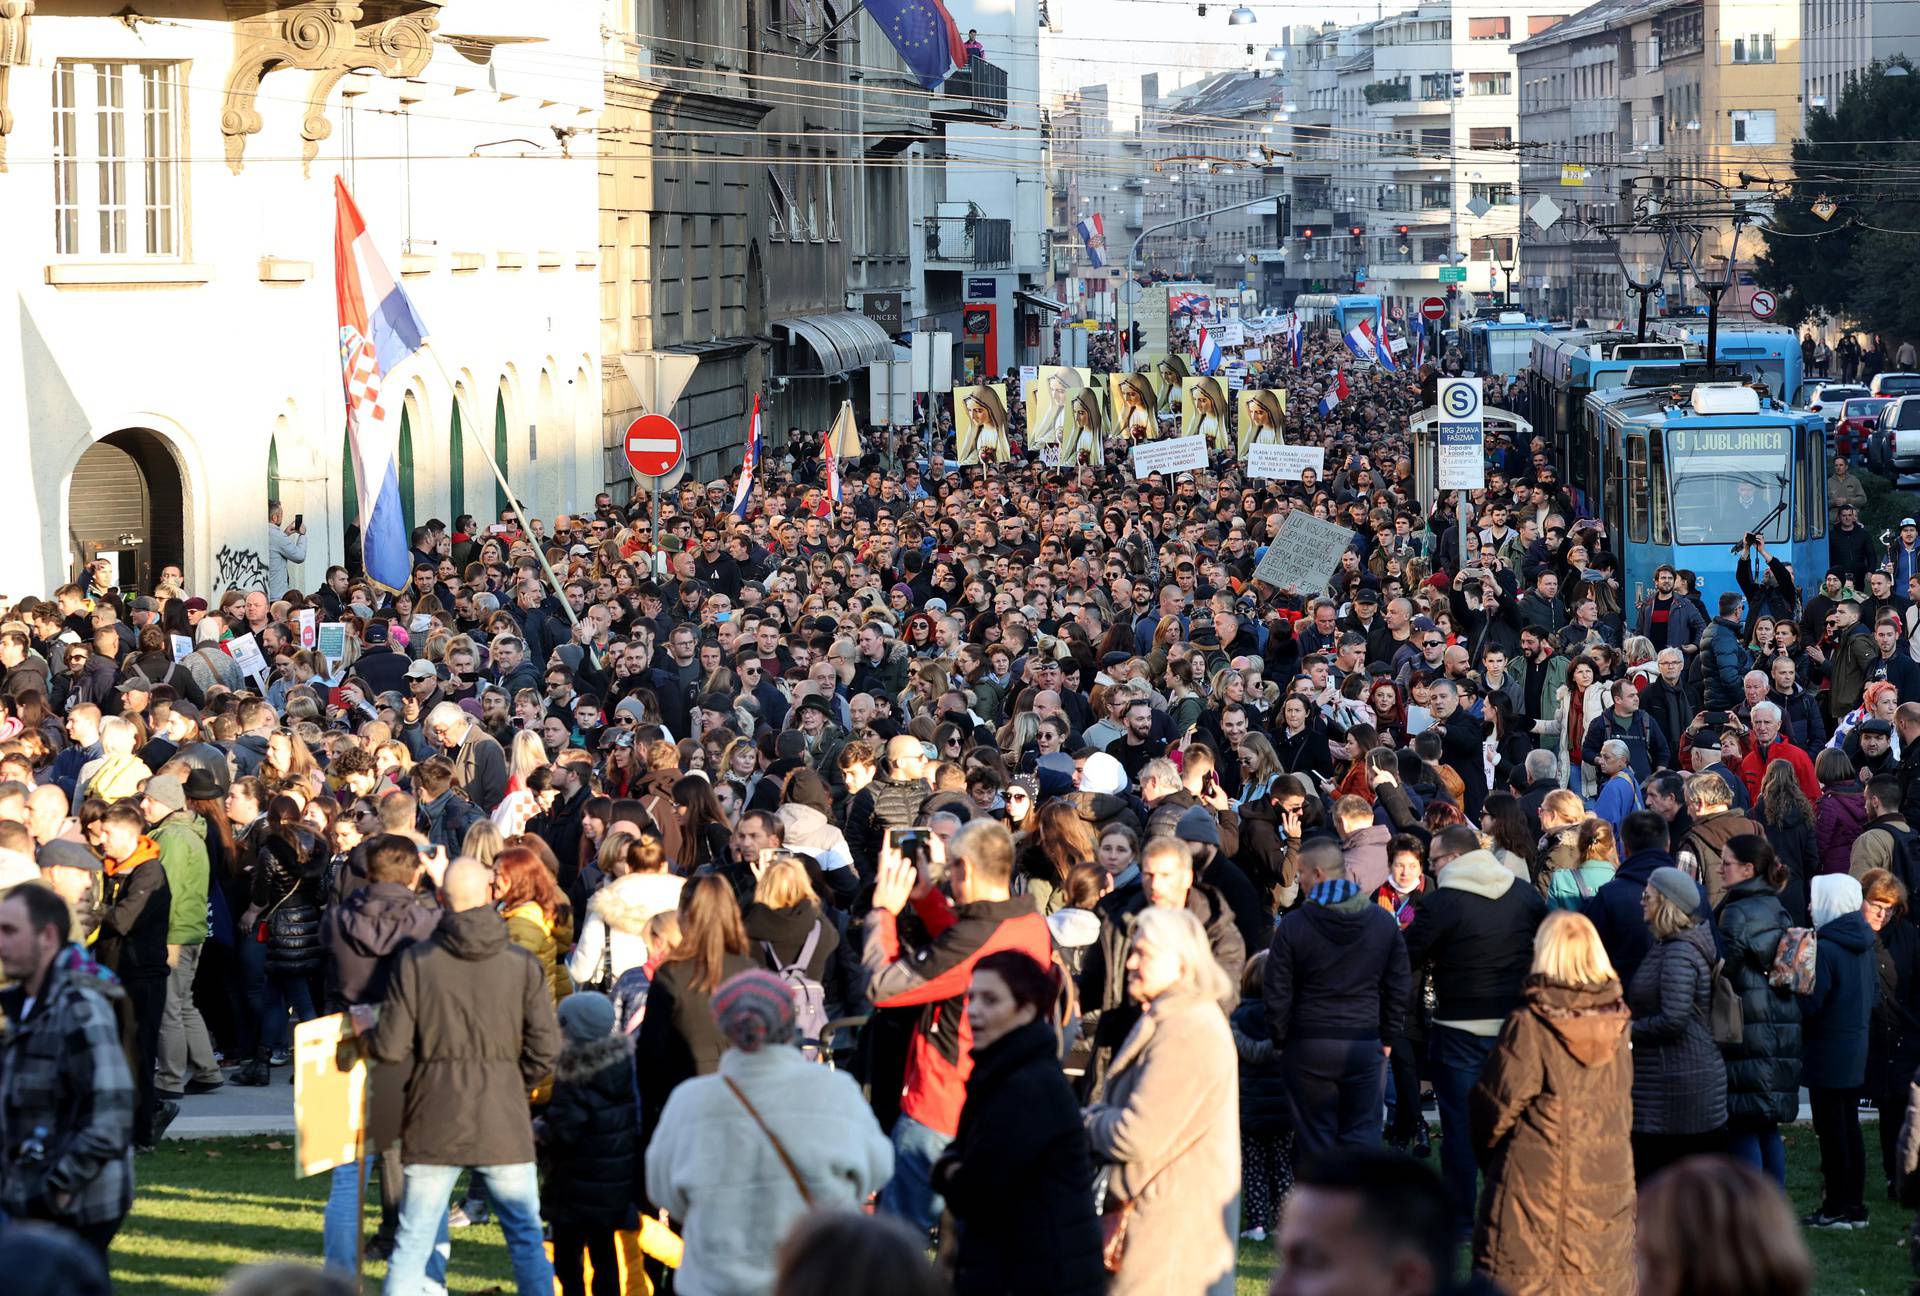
x,y
361,370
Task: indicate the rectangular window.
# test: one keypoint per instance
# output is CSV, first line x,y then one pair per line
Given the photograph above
x,y
1499,195
1490,137
1752,125
778,204
115,182
1489,28
1537,23
1657,491
1490,83
1638,512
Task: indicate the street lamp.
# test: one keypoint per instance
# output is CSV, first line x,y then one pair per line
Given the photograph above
x,y
1241,16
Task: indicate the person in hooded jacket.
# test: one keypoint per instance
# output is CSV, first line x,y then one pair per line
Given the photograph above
x,y
1337,988
804,810
1839,815
611,939
785,917
1551,1116
1763,1069
1679,1079
1475,932
1266,1122
1837,1017
1017,1176
1102,798
589,1144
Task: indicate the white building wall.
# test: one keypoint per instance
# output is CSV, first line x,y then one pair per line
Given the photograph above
x,y
232,343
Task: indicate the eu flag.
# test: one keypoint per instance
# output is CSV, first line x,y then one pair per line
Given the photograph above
x,y
924,32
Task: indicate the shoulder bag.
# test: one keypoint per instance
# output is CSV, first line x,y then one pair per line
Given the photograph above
x,y
1114,1219
779,1148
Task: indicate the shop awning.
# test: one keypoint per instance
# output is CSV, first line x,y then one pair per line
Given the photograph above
x,y
1040,302
842,341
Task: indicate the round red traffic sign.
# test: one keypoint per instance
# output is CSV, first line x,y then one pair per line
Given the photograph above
x,y
654,445
1433,308
1763,304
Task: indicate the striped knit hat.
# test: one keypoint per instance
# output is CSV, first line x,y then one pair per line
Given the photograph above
x,y
754,1008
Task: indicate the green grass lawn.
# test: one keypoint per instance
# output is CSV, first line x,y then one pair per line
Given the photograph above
x,y
205,1207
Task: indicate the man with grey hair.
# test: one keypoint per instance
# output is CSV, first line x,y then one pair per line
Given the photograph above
x,y
1667,700
1462,744
479,764
1541,770
1768,745
1714,822
1619,790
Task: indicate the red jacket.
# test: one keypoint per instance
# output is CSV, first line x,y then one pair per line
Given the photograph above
x,y
1753,767
937,977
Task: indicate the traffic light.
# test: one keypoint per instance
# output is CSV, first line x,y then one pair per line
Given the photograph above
x,y
1356,230
1401,230
1307,233
1459,85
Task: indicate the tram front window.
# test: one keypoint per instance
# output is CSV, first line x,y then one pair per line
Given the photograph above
x,y
1728,482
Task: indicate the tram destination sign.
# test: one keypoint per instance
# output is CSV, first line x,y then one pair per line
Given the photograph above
x,y
1729,440
1461,435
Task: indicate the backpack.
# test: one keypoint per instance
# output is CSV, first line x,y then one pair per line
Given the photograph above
x,y
1793,961
1904,862
809,996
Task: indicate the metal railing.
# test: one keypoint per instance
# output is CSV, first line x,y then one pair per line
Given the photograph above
x,y
984,83
982,242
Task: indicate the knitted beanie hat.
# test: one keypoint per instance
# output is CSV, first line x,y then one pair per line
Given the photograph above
x,y
753,1009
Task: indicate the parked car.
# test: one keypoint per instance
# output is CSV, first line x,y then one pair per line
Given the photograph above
x,y
1823,397
1896,437
1859,415
1893,383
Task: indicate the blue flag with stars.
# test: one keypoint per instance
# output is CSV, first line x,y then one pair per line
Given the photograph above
x,y
926,36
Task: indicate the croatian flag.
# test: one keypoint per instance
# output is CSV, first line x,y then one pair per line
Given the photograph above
x,y
1093,233
1417,326
1335,394
831,496
1207,355
379,329
1296,341
743,493
927,38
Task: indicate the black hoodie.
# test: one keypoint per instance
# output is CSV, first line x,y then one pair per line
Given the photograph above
x,y
1337,972
362,934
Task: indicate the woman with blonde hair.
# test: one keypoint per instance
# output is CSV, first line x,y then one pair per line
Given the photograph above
x,y
1551,1117
1169,1119
1259,767
1679,1079
1599,856
521,802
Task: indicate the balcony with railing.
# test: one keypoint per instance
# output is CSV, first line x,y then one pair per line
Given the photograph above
x,y
969,243
976,93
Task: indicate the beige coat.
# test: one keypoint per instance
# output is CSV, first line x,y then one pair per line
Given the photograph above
x,y
1170,1125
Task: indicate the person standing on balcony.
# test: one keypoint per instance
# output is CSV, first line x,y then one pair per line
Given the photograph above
x,y
975,50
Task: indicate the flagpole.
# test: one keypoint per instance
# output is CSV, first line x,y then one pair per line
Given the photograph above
x,y
526,528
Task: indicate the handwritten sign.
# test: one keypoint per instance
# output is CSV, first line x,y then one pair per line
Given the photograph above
x,y
1285,462
1304,554
331,637
1176,454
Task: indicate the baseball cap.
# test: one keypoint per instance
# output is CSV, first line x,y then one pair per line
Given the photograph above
x,y
1906,522
422,669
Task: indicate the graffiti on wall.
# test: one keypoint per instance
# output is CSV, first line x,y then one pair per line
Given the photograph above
x,y
241,569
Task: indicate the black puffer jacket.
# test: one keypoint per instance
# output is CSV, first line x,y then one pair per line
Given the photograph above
x,y
1763,1069
288,876
1018,1176
1264,1105
590,1135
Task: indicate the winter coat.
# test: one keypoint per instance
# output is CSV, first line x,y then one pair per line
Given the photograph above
x,y
896,804
590,1135
1266,857
288,885
1103,810
1615,913
1476,930
1018,1176
1265,1108
361,935
776,937
470,1015
678,1037
135,906
1106,1013
1837,820
712,1166
1763,1069
182,841
1551,1117
611,939
1679,1080
1365,853
1794,841
1703,842
1723,663
1337,972
1836,1015
1168,1123
448,816
544,938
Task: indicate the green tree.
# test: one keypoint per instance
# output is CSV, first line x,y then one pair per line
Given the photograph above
x,y
1858,263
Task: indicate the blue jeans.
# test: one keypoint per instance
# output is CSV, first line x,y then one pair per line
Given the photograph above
x,y
340,1226
909,1194
1763,1150
1457,1059
420,1245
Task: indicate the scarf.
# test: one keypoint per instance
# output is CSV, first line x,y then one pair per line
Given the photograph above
x,y
1332,892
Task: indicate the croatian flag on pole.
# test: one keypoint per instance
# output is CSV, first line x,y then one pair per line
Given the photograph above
x,y
1296,341
1208,355
743,493
925,34
379,329
1093,234
830,496
1417,326
1335,394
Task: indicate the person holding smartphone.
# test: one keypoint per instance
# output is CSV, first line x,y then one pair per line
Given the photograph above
x,y
285,544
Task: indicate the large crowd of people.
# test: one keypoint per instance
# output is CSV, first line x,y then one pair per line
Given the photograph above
x,y
989,851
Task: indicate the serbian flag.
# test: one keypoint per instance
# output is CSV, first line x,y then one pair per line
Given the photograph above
x,y
1207,356
743,493
1335,394
1093,234
831,495
925,35
379,329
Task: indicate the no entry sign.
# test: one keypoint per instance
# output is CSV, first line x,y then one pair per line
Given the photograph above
x,y
1433,308
654,445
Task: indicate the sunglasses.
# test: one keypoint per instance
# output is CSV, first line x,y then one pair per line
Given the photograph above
x,y
1433,643
1016,796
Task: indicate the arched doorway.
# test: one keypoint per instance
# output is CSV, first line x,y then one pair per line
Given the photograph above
x,y
127,503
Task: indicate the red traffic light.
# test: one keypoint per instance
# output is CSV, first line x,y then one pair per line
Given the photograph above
x,y
1401,229
1306,233
1356,230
